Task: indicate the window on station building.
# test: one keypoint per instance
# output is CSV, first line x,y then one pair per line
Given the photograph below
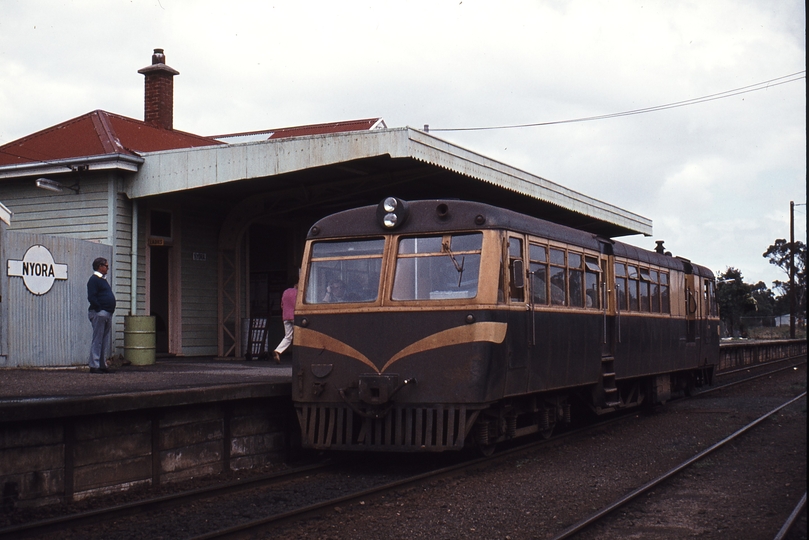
x,y
160,223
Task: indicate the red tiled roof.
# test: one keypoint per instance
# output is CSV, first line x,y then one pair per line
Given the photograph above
x,y
93,134
312,129
320,129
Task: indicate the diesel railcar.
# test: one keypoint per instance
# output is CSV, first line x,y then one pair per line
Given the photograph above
x,y
433,325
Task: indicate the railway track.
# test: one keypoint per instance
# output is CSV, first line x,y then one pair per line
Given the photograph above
x,y
245,525
149,507
646,488
162,503
249,530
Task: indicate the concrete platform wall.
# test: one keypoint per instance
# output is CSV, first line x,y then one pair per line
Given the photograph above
x,y
54,460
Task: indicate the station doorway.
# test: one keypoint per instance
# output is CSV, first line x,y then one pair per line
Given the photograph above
x,y
163,289
274,260
159,295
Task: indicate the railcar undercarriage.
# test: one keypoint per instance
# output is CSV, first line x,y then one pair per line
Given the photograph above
x,y
434,428
397,427
402,428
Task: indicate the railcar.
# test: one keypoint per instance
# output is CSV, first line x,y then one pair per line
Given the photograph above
x,y
435,325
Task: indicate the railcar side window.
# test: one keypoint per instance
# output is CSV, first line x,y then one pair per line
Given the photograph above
x,y
642,289
620,285
655,290
575,279
514,253
557,278
437,267
539,273
632,288
645,301
344,271
665,302
592,271
565,278
710,298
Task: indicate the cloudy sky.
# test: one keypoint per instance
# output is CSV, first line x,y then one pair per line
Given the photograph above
x,y
715,177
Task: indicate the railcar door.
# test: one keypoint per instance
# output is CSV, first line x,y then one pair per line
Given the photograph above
x,y
608,306
519,319
692,316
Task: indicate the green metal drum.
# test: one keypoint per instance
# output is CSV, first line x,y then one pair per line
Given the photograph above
x,y
139,339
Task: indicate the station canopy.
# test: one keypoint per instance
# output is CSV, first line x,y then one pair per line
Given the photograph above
x,y
330,166
354,168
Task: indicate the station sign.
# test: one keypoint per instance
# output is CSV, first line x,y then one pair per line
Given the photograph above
x,y
37,269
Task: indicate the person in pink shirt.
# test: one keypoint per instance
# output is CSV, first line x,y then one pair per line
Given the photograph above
x,y
288,314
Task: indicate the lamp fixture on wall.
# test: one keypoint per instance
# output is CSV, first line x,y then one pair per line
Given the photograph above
x,y
53,185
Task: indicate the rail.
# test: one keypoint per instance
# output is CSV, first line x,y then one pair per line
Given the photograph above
x,y
748,353
647,487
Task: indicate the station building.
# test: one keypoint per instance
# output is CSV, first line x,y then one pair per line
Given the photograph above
x,y
205,232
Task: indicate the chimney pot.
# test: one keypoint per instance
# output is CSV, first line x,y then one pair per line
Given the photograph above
x,y
158,57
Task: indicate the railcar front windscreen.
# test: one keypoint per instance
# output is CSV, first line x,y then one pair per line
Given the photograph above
x,y
438,267
344,271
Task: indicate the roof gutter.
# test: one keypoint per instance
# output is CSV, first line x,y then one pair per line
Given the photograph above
x,y
125,162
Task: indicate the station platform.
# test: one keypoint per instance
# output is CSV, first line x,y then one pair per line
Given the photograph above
x,y
32,394
67,434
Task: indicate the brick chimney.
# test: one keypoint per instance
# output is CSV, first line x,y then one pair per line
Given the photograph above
x,y
159,99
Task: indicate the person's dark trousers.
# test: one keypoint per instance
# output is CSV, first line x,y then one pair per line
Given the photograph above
x,y
102,328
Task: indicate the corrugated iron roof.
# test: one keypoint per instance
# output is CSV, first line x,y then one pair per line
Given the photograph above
x,y
93,134
372,154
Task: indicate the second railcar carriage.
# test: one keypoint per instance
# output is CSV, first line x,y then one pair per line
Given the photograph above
x,y
435,324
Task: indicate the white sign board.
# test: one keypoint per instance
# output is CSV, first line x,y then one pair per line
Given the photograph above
x,y
37,269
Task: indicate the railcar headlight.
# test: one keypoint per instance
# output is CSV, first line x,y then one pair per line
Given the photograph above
x,y
390,204
392,213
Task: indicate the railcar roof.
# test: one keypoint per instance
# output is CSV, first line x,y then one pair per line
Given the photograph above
x,y
424,217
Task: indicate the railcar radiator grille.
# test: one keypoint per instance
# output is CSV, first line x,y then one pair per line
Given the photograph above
x,y
403,429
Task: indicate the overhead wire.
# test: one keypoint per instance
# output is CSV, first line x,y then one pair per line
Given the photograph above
x,y
792,77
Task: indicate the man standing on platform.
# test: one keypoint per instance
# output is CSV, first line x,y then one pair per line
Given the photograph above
x,y
102,306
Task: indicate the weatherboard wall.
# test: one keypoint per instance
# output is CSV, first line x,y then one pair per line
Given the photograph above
x,y
100,215
200,233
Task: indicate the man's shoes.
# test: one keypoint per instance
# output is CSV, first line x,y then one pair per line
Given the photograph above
x,y
277,357
99,370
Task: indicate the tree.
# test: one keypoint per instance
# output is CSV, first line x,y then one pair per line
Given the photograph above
x,y
735,299
779,254
764,299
